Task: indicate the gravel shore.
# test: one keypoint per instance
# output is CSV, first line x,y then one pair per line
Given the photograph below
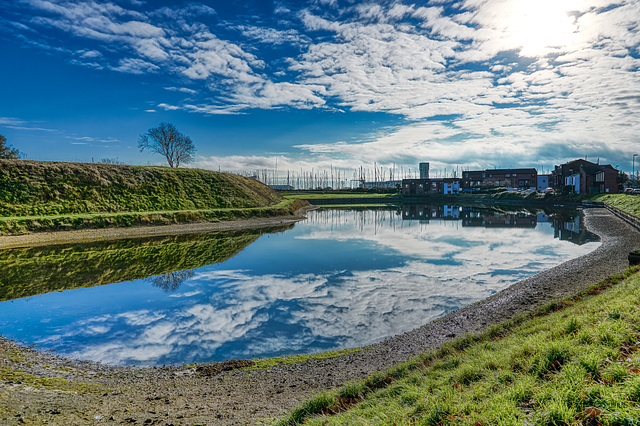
x,y
96,394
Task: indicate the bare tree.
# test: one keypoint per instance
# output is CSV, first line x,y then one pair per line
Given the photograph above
x,y
171,281
166,140
7,152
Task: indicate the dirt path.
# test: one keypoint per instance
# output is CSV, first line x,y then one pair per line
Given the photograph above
x,y
97,394
88,235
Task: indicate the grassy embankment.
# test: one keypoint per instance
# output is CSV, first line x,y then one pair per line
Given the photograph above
x,y
352,199
627,203
576,361
394,198
43,196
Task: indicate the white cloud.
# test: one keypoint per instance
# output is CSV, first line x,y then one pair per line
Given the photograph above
x,y
135,66
272,36
12,121
346,308
506,72
19,124
168,107
182,89
90,54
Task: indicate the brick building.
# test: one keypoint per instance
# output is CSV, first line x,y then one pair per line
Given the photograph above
x,y
430,186
507,178
585,177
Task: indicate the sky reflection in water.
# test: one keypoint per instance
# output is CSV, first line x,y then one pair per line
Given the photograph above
x,y
340,279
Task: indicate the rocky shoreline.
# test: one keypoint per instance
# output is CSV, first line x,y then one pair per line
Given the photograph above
x,y
94,394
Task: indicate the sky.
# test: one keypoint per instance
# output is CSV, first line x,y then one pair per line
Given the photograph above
x,y
320,84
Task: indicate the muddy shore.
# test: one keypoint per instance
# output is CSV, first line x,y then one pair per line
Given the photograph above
x,y
97,394
90,235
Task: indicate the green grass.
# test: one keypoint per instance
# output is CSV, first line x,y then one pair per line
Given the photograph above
x,y
16,376
576,361
627,203
266,363
26,224
44,189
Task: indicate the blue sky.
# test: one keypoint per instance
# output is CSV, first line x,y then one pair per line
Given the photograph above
x,y
325,83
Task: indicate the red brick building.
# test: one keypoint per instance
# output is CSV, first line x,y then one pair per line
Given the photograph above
x,y
585,177
430,186
506,178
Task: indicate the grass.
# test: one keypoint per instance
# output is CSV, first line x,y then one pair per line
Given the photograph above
x,y
576,361
266,363
26,224
15,376
68,195
627,203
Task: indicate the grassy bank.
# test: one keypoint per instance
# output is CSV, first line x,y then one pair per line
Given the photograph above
x,y
627,203
576,361
573,362
26,224
32,188
51,196
500,195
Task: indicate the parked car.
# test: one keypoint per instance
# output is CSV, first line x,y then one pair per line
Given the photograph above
x,y
549,190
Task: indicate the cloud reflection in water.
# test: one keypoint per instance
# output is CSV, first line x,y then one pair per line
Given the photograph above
x,y
340,279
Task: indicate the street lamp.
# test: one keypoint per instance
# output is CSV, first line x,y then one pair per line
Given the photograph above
x,y
633,170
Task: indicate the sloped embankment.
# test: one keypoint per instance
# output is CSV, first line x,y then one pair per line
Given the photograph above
x,y
41,196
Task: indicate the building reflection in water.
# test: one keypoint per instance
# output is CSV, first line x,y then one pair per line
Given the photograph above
x,y
567,224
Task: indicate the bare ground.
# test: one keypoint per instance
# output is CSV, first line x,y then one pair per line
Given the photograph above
x,y
96,394
88,235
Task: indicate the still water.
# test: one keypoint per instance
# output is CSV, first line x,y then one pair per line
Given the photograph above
x,y
340,279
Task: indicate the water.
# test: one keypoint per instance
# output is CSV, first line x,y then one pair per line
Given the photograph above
x,y
340,279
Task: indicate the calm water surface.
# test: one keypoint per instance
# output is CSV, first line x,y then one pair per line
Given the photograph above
x,y
340,279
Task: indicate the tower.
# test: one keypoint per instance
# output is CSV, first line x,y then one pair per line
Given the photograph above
x,y
424,170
